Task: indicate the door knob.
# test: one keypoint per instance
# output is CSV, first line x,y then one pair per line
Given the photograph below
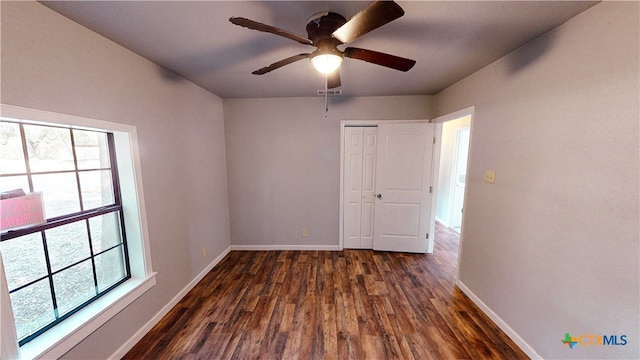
x,y
379,196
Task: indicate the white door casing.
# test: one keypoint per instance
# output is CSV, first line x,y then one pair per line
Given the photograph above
x,y
403,179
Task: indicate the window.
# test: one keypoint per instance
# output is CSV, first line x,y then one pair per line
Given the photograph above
x,y
80,253
90,259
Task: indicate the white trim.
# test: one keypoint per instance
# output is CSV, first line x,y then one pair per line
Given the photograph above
x,y
9,348
455,115
129,344
53,118
341,208
435,182
344,123
512,334
286,247
54,344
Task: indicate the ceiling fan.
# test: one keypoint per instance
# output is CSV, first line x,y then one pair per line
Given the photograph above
x,y
328,30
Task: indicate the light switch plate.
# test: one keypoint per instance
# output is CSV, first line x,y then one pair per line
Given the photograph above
x,y
490,176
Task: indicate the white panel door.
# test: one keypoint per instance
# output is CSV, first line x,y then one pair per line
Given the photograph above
x,y
403,178
359,186
352,186
368,186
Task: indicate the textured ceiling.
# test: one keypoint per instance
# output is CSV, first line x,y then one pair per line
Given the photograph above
x,y
449,40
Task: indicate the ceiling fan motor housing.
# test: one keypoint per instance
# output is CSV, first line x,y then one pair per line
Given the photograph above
x,y
321,26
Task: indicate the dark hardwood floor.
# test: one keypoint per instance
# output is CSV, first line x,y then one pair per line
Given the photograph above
x,y
351,304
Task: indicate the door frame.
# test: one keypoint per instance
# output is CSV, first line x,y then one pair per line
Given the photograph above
x,y
469,111
375,123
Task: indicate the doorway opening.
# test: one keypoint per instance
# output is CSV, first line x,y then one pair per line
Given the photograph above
x,y
453,133
452,173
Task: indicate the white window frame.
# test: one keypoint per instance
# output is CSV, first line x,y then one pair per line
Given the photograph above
x,y
64,336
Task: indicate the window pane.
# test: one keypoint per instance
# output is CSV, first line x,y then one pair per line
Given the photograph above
x,y
49,148
67,244
23,259
11,154
92,151
32,308
97,188
14,182
110,268
105,231
74,286
60,193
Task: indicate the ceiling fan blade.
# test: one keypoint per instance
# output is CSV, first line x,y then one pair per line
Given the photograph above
x,y
333,79
254,25
372,17
280,64
378,58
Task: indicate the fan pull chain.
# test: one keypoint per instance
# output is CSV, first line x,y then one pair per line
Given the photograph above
x,y
326,95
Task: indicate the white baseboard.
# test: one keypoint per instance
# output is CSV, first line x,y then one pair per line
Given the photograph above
x,y
285,247
524,346
122,351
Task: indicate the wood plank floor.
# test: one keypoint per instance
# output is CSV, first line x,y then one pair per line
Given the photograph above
x,y
351,304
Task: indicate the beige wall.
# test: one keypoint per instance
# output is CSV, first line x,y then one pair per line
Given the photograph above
x,y
283,161
552,246
51,63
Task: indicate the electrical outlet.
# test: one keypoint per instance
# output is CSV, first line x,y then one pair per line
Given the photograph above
x,y
204,253
305,232
490,176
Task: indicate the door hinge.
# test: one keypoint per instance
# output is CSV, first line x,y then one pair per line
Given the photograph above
x,y
430,189
427,235
434,140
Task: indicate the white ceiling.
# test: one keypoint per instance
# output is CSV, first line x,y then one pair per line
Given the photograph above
x,y
449,40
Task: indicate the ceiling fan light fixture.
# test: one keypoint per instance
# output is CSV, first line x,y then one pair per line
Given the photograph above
x,y
326,63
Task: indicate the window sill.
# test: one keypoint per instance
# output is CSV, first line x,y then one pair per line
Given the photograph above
x,y
64,336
